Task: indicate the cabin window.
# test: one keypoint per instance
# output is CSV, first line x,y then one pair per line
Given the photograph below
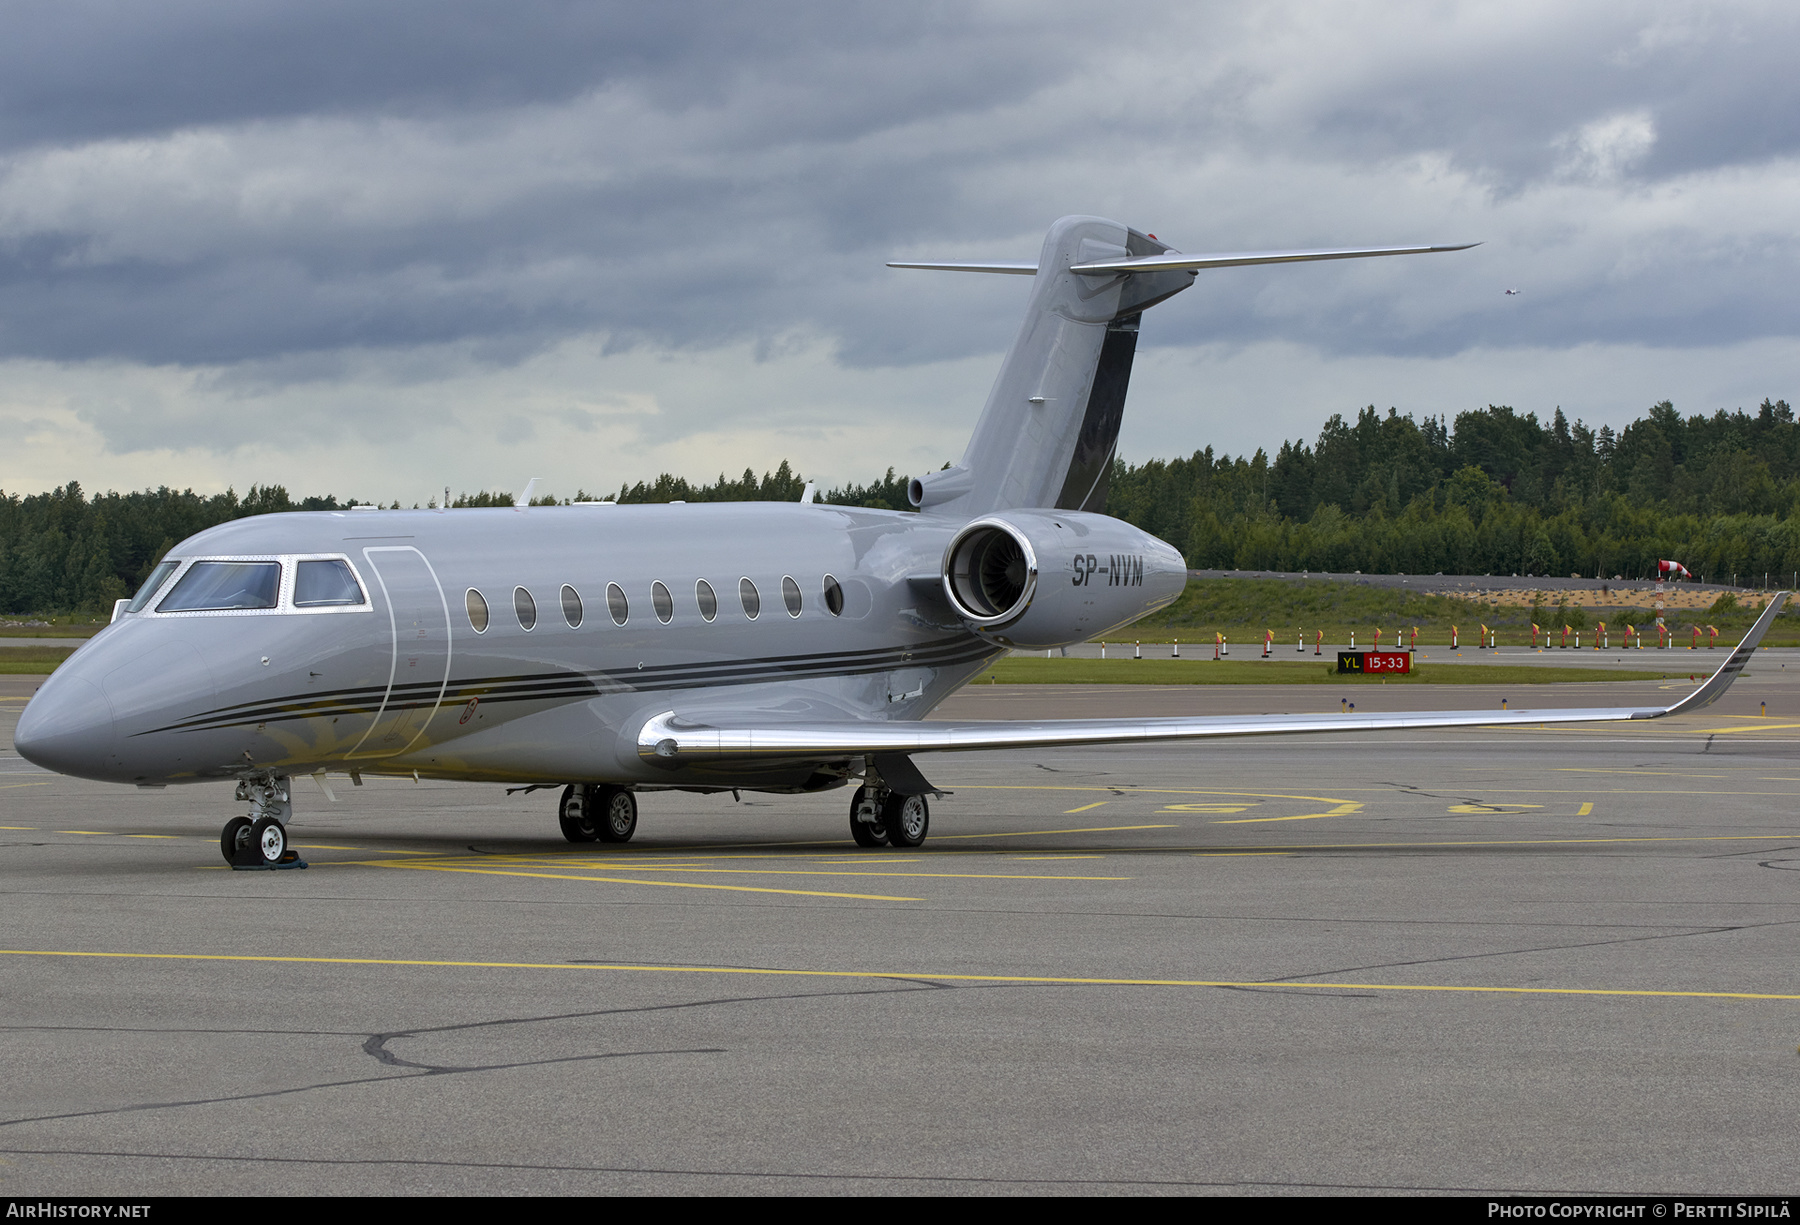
x,y
154,583
752,601
221,586
708,602
318,584
478,614
616,605
790,595
834,597
662,601
571,602
524,607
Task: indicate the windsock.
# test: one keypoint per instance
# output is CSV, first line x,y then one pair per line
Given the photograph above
x,y
1665,569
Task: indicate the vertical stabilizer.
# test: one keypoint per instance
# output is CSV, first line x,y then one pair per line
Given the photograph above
x,y
1047,435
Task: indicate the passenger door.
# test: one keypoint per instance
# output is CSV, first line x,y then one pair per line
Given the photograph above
x,y
419,617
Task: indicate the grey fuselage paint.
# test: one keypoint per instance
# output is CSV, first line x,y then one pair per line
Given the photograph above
x,y
407,684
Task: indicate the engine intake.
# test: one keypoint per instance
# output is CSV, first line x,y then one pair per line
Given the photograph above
x,y
1046,578
990,573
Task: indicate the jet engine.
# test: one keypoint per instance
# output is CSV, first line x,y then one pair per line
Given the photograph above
x,y
1049,578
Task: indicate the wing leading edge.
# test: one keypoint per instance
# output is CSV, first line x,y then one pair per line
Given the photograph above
x,y
672,739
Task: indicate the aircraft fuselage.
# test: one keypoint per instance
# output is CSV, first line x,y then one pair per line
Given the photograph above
x,y
529,645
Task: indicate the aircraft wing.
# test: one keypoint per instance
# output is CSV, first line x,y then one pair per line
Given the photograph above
x,y
673,739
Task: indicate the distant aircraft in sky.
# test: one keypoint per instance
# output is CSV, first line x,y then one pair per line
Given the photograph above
x,y
1511,292
615,651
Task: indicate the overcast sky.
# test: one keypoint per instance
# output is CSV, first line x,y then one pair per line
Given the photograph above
x,y
379,249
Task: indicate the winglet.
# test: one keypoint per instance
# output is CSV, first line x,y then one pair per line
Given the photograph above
x,y
1720,681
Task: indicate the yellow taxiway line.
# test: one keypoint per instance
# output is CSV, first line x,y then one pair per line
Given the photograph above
x,y
906,975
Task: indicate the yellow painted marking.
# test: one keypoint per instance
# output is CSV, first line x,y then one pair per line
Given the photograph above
x,y
1096,804
97,833
1255,795
1203,808
1480,809
1032,858
1343,846
1236,854
1342,810
1587,809
173,836
618,867
610,880
18,827
10,786
1670,773
1758,727
1032,833
1033,979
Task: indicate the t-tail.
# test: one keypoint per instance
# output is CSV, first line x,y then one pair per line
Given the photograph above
x,y
1047,436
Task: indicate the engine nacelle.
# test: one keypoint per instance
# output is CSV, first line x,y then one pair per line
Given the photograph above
x,y
1049,578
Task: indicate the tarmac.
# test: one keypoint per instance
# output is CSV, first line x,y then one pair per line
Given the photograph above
x,y
1531,961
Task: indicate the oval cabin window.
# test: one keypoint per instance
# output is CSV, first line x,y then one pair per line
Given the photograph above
x,y
790,595
662,602
708,602
752,602
524,607
834,597
478,614
616,605
571,602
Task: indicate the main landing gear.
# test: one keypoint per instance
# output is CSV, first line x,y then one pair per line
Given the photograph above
x,y
879,817
260,840
597,813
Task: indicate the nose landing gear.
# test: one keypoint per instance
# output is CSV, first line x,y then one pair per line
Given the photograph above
x,y
260,840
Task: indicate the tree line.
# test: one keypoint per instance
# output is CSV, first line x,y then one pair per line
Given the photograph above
x,y
1490,491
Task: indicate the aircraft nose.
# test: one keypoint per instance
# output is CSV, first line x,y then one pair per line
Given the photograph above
x,y
67,727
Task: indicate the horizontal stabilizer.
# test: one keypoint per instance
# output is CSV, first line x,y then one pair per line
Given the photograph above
x,y
673,740
1175,261
1010,267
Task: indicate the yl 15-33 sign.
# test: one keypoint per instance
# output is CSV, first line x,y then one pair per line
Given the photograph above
x,y
1383,662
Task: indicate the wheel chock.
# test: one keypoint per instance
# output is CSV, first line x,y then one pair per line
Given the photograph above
x,y
290,860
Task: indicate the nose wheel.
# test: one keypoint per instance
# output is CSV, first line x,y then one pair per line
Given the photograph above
x,y
260,840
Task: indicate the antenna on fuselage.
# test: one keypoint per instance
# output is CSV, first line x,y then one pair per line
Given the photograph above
x,y
524,499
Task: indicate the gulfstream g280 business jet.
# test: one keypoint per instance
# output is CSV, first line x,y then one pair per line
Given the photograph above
x,y
613,650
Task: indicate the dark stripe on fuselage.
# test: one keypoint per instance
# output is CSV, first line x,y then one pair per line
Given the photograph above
x,y
549,686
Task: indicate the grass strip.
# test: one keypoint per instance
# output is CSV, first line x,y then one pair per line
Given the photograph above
x,y
28,661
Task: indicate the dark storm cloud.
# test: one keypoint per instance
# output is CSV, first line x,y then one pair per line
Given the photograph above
x,y
74,70
208,183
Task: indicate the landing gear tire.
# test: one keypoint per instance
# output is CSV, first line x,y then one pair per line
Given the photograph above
x,y
576,816
870,833
269,840
234,839
615,813
906,818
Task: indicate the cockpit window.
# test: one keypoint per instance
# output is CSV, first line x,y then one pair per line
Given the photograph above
x,y
152,585
321,583
212,586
